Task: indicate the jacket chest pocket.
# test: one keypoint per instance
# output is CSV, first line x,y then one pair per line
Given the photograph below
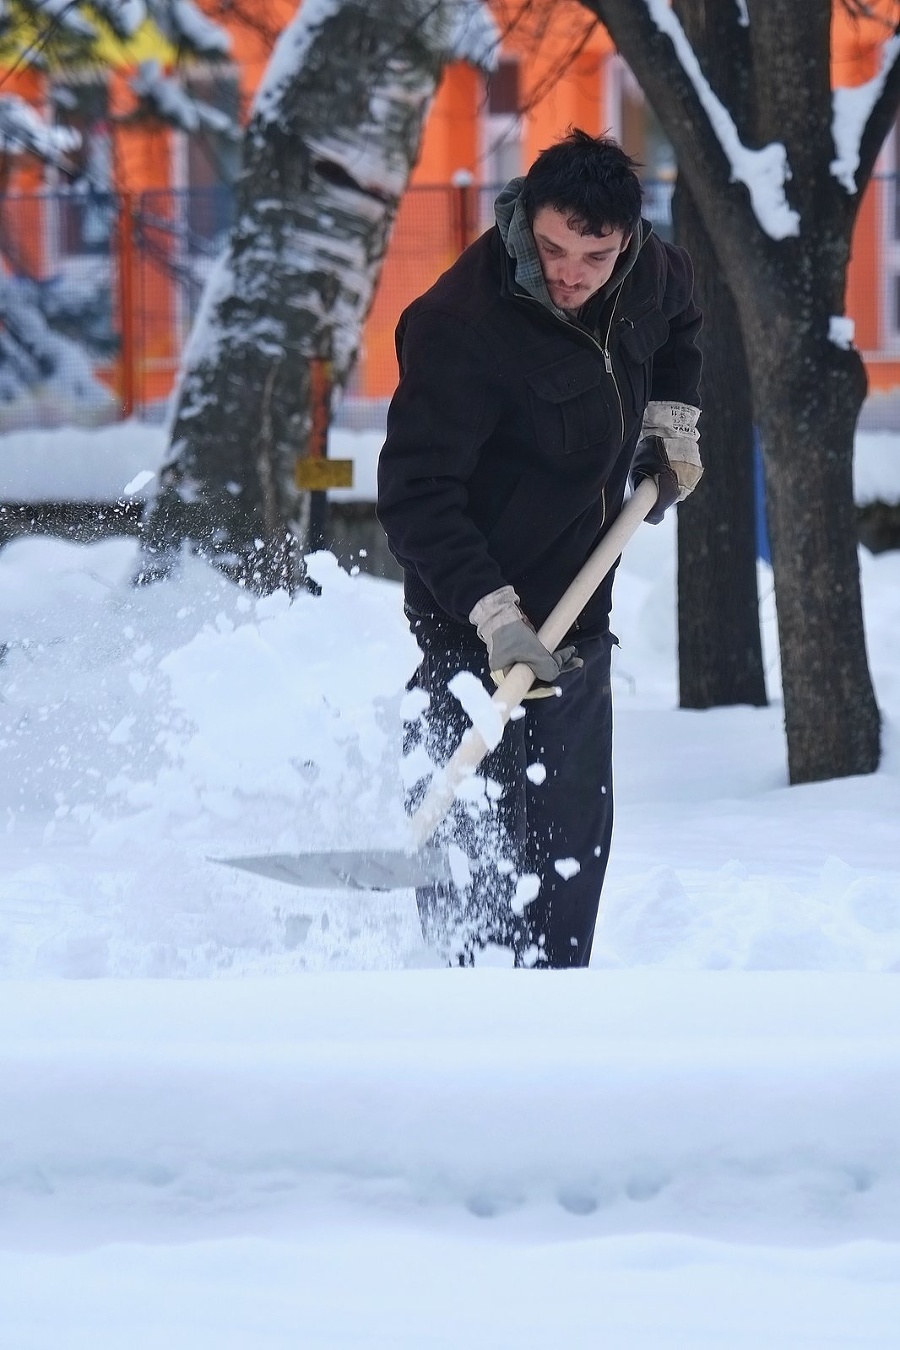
x,y
639,338
568,405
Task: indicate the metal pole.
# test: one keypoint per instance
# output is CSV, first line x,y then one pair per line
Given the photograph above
x,y
321,379
464,213
125,241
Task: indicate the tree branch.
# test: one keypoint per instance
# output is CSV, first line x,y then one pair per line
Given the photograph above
x,y
722,43
697,122
652,57
879,122
790,44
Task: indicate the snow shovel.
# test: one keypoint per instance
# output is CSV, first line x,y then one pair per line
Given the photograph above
x,y
425,863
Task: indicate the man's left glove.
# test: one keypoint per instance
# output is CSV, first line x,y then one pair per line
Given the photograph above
x,y
667,451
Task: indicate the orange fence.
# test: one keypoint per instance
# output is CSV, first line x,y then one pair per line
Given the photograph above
x,y
97,296
98,293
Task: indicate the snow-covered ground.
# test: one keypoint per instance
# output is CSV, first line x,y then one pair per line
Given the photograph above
x,y
239,1115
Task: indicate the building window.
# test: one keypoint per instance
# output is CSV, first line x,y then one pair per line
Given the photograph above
x,y
633,124
212,154
502,125
887,184
86,209
503,88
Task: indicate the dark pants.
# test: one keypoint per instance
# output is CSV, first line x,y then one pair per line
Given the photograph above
x,y
529,838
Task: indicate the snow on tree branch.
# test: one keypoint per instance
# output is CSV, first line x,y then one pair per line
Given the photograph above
x,y
181,22
64,13
474,37
123,16
169,101
764,172
184,24
21,130
32,354
851,109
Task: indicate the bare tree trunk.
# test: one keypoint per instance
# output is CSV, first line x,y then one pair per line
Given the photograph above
x,y
809,393
719,645
331,142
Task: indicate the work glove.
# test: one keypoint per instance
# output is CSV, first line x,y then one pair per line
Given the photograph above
x,y
510,638
667,451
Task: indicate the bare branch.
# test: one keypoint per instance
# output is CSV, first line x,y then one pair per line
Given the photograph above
x,y
676,99
879,122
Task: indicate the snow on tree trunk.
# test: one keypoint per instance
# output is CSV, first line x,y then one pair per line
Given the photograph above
x,y
777,179
332,138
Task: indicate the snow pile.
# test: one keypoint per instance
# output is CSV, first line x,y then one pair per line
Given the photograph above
x,y
147,731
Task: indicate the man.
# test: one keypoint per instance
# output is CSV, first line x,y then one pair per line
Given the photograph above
x,y
526,375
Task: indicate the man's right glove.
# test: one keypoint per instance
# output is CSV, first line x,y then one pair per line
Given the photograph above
x,y
510,638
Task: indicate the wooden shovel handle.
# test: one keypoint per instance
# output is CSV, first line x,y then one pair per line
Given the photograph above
x,y
472,749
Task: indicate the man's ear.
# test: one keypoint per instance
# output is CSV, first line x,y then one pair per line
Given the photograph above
x,y
625,242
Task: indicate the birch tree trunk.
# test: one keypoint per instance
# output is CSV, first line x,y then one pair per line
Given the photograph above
x,y
332,139
778,197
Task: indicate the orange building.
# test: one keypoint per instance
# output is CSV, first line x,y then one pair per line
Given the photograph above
x,y
168,204
549,78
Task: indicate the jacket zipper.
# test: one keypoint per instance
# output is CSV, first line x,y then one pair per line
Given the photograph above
x,y
607,357
607,362
604,351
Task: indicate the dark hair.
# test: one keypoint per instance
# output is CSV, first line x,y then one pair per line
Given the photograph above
x,y
590,179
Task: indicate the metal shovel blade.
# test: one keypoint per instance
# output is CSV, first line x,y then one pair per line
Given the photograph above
x,y
395,870
374,870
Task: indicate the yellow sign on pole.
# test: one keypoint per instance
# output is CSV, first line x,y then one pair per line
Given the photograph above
x,y
314,474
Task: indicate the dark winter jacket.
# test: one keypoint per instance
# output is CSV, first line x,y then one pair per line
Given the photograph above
x,y
512,430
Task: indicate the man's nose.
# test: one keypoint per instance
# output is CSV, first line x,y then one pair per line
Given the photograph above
x,y
570,274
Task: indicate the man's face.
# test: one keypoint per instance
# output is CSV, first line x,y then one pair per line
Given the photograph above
x,y
574,265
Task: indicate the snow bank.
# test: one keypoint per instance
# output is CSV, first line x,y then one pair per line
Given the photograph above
x,y
700,1106
97,464
876,468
